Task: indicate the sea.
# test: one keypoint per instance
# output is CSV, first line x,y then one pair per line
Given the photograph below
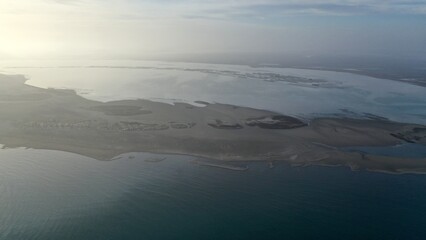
x,y
47,194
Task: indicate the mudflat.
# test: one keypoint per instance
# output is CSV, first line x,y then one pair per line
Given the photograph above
x,y
61,120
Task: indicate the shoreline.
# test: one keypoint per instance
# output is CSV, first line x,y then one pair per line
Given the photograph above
x,y
361,71
62,120
222,165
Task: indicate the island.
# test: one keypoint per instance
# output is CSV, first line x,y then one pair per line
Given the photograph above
x,y
58,119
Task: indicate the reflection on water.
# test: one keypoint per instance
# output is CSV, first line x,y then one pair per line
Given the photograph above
x,y
289,91
56,195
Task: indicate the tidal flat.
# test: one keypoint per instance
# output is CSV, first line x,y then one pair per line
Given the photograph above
x,y
56,119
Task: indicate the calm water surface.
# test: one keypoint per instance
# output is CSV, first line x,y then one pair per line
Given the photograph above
x,y
56,195
230,84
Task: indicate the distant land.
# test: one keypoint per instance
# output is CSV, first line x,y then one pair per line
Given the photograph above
x,y
407,69
61,120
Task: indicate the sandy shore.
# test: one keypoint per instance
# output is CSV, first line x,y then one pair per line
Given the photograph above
x,y
61,120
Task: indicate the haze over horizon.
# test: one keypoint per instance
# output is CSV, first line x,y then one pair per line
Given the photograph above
x,y
212,119
136,28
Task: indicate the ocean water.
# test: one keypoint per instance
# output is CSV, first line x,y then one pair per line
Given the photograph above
x,y
55,195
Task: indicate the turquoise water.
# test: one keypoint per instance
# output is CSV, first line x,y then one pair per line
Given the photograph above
x,y
56,195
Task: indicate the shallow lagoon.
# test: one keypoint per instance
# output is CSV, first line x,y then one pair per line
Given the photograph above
x,y
323,93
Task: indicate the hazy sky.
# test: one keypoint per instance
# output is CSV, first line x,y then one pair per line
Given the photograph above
x,y
62,28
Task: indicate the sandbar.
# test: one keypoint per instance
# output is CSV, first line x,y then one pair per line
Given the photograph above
x,y
62,120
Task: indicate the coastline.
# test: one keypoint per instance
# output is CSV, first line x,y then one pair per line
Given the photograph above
x,y
363,72
62,120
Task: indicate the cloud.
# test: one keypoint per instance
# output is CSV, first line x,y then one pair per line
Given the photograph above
x,y
236,10
66,1
275,9
43,27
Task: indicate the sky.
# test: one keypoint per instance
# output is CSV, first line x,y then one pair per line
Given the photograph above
x,y
144,28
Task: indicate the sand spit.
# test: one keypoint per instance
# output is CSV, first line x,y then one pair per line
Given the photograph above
x,y
61,120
